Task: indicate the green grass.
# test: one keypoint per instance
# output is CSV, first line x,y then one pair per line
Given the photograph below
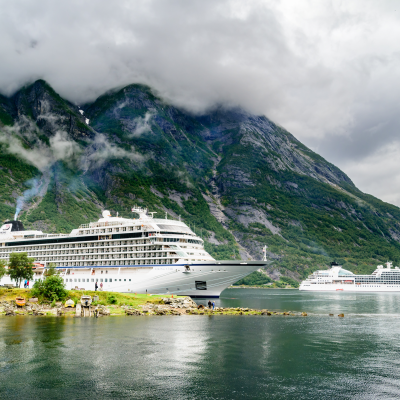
x,y
133,300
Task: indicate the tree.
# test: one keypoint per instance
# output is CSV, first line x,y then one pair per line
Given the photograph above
x,y
51,270
20,267
3,270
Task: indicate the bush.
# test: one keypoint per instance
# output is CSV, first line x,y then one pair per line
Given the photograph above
x,y
52,288
112,299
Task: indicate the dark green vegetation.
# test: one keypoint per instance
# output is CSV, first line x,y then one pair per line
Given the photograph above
x,y
239,180
2,268
20,267
255,279
259,279
50,288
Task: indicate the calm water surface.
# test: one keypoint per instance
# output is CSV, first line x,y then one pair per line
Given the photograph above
x,y
216,357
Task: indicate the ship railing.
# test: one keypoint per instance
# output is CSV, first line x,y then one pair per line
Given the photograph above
x,y
47,235
103,224
57,235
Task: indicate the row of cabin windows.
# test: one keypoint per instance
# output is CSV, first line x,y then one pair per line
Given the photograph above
x,y
109,230
137,249
93,244
79,245
99,259
101,254
106,263
95,280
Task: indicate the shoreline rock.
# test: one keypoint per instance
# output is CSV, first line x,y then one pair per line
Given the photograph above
x,y
167,306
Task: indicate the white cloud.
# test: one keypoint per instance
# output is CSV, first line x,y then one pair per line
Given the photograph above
x,y
62,147
101,150
327,71
142,125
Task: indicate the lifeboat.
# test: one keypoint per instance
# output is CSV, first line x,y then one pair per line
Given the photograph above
x,y
86,300
69,303
20,301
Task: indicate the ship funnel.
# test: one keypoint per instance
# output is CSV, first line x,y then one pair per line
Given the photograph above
x,y
13,226
334,264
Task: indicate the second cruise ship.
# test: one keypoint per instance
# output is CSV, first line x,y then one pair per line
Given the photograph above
x,y
383,279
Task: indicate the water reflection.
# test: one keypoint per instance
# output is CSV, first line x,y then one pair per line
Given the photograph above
x,y
311,302
202,357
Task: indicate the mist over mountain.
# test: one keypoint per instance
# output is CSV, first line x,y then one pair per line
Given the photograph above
x,y
240,180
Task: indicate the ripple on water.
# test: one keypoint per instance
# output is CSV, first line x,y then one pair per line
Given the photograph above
x,y
216,357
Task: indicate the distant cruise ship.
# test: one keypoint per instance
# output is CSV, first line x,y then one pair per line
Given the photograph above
x,y
338,279
144,255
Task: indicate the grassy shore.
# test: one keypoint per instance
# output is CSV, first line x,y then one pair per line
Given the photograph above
x,y
112,303
105,298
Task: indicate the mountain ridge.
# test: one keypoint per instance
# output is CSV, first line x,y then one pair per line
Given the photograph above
x,y
240,180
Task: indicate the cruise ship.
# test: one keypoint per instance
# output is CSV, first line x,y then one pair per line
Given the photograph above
x,y
139,255
383,279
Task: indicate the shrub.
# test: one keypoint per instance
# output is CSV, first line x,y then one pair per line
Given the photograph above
x,y
112,299
51,288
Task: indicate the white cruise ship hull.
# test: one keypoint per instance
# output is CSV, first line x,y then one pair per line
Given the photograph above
x,y
338,279
354,288
203,279
144,255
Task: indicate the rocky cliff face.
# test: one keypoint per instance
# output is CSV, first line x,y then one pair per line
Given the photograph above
x,y
238,179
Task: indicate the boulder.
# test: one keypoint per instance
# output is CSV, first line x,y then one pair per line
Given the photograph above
x,y
133,312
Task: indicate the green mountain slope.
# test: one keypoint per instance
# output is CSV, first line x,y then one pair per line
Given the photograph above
x,y
239,180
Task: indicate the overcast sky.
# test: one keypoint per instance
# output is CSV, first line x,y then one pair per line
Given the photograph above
x,y
328,71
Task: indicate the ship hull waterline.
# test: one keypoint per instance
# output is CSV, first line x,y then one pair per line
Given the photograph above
x,y
197,280
351,288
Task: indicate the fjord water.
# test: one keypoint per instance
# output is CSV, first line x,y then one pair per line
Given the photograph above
x,y
216,357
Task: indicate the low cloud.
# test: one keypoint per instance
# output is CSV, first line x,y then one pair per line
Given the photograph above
x,y
143,125
61,147
326,71
101,150
22,141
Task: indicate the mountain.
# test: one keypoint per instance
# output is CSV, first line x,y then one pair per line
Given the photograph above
x,y
239,180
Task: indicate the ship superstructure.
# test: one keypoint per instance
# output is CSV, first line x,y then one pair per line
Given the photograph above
x,y
383,279
140,255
